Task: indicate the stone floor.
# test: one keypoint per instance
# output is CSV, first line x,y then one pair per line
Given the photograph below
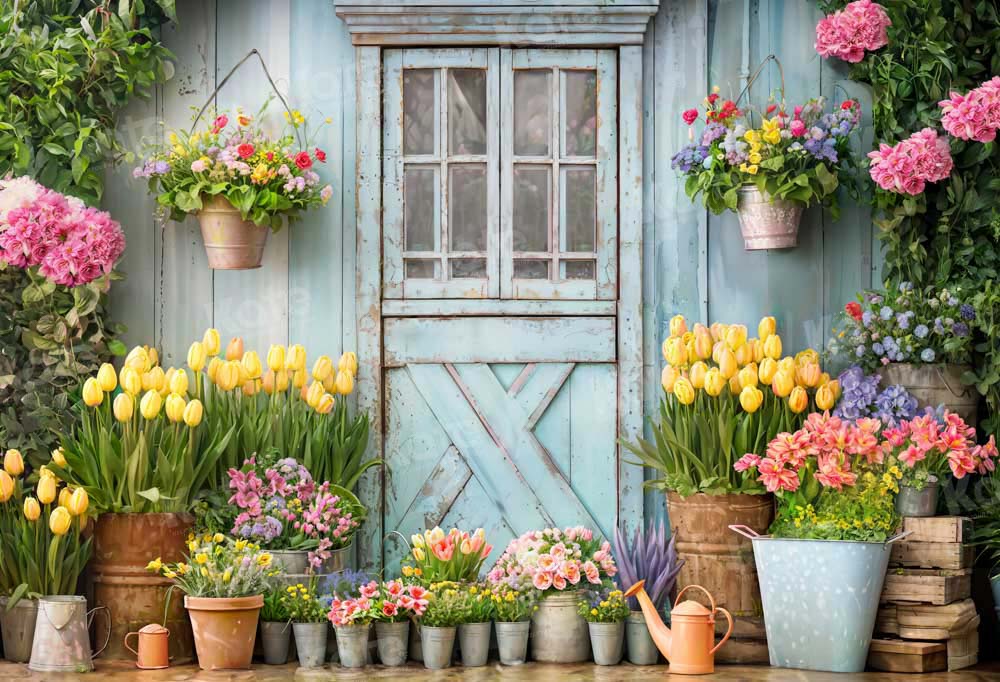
x,y
533,672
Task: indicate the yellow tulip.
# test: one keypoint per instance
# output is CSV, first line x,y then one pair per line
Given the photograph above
x,y
59,458
167,378
766,327
714,382
809,355
758,350
322,368
674,351
314,393
325,405
808,375
824,398
193,413
6,486
234,351
668,377
281,381
124,406
734,385
244,374
697,374
213,367
744,354
418,554
345,383
703,344
60,520
798,400
131,379
153,355
747,376
150,405
92,393
834,385
153,380
824,378
138,359
736,336
179,382
782,384
295,358
251,363
64,496
107,378
228,375
348,362
267,382
78,502
299,378
197,356
684,391
276,358
787,365
772,346
32,510
751,399
13,463
250,388
718,331
175,407
212,342
678,326
767,369
727,363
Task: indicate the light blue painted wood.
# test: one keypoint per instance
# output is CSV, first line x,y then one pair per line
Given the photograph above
x,y
593,453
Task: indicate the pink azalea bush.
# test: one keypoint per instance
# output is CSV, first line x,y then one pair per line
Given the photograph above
x,y
56,235
848,34
906,167
554,559
975,115
389,602
928,446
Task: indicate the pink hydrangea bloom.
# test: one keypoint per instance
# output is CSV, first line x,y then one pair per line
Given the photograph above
x,y
906,167
975,115
858,28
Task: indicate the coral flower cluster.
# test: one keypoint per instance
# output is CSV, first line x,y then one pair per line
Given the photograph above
x,y
848,34
974,115
906,167
933,442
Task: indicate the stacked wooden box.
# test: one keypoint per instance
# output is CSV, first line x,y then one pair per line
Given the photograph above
x,y
927,621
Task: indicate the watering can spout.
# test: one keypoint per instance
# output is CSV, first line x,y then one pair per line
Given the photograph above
x,y
657,629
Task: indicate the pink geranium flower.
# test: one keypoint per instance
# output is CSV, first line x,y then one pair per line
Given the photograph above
x,y
906,167
860,27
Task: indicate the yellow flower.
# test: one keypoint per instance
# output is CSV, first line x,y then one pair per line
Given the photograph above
x,y
808,375
197,356
179,382
240,545
295,358
684,391
766,371
138,359
782,384
201,558
204,571
32,510
153,380
751,398
193,413
824,398
772,347
175,405
751,136
714,382
675,352
92,393
234,351
264,560
748,376
150,405
251,364
668,377
697,374
46,490
60,520
798,400
59,458
322,368
727,363
170,575
678,326
228,375
344,382
13,463
326,403
348,362
154,565
78,502
212,342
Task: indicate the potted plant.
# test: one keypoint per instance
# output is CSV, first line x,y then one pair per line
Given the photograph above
x,y
653,559
475,625
768,172
352,618
309,623
239,180
556,563
275,627
726,395
605,612
512,610
394,607
223,581
42,551
920,339
439,624
836,487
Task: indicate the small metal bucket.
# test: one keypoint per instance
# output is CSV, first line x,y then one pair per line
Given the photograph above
x,y
820,599
438,647
352,645
18,628
766,222
918,502
512,641
640,645
275,638
310,643
393,641
62,642
474,643
607,640
231,243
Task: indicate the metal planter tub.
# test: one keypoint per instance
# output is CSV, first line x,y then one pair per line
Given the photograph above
x,y
766,222
820,599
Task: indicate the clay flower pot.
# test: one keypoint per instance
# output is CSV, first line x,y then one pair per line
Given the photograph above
x,y
224,630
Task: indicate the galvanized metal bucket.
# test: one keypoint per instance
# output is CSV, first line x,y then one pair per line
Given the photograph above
x,y
231,243
639,643
474,643
766,222
276,638
62,641
438,646
392,640
558,632
918,502
820,599
17,625
352,645
607,641
512,642
310,643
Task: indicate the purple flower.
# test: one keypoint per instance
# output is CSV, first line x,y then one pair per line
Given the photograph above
x,y
961,329
921,331
967,312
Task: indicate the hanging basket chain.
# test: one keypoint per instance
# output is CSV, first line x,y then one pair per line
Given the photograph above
x,y
756,74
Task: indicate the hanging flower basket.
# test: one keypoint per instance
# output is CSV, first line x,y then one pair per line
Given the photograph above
x,y
231,243
767,222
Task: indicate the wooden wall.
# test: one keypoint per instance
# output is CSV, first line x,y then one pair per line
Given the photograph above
x,y
694,263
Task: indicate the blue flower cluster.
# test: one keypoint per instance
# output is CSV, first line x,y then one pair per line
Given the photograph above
x,y
690,156
861,398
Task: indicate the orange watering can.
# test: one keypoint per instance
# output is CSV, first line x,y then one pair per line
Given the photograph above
x,y
153,645
689,647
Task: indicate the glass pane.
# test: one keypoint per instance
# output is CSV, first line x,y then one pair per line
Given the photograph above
x,y
467,111
468,268
580,201
531,269
422,268
578,269
531,208
532,97
418,111
467,207
419,210
580,116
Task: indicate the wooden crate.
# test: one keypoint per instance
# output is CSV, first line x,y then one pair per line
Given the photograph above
x,y
952,555
898,656
928,586
937,529
927,622
887,621
966,643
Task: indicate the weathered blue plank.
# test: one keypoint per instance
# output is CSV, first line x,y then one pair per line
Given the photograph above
x,y
592,445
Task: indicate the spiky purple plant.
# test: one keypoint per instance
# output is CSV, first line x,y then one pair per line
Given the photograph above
x,y
648,557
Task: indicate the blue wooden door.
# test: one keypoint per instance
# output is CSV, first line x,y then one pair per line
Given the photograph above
x,y
500,252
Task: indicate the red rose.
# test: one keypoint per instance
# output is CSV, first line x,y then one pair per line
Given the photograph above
x,y
245,150
854,310
302,160
320,155
847,104
690,116
270,156
712,98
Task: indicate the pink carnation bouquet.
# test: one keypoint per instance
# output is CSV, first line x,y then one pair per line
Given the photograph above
x,y
975,115
55,235
848,34
906,167
554,559
928,447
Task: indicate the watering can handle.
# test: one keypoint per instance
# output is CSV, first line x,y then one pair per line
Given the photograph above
x,y
711,599
107,640
725,637
745,531
898,537
125,642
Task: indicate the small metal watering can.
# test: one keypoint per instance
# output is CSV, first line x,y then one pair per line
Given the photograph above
x,y
153,647
62,641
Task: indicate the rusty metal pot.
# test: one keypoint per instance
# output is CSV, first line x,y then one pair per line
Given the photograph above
x,y
231,243
766,222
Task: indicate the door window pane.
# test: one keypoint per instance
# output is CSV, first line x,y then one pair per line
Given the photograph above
x,y
580,115
578,269
531,269
580,202
466,111
532,120
468,268
420,211
422,268
531,208
467,207
418,111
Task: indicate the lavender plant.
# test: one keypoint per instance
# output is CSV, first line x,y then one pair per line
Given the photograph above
x,y
648,557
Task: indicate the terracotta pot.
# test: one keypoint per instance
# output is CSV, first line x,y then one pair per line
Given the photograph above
x,y
935,385
723,563
224,630
134,597
767,223
231,243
